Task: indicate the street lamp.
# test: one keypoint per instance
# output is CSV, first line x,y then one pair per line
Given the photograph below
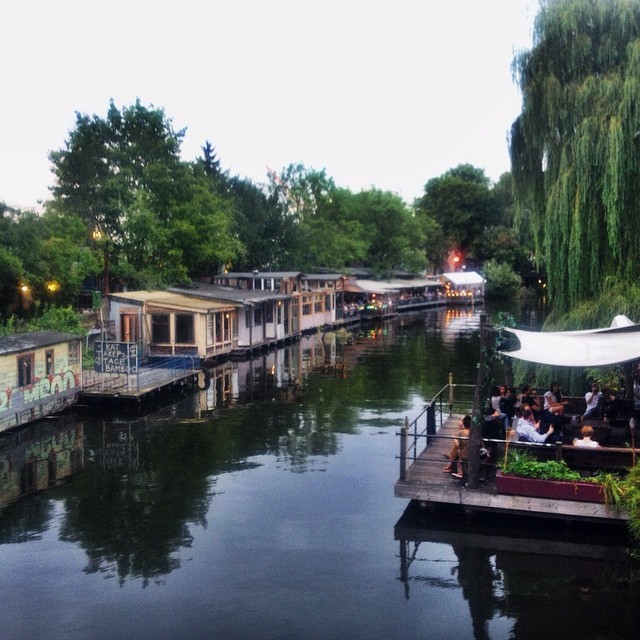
x,y
97,236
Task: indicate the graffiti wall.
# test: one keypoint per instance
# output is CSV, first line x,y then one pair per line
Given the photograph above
x,y
44,395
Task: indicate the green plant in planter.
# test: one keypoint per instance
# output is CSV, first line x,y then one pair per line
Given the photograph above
x,y
619,493
524,465
624,493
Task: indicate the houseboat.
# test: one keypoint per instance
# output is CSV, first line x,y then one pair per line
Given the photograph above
x,y
170,324
260,317
40,375
314,300
463,287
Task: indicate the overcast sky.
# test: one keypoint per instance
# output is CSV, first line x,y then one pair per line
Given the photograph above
x,y
384,94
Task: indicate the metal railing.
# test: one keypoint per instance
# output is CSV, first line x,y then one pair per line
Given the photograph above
x,y
152,375
452,398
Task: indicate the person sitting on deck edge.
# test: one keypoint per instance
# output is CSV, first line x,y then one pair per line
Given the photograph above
x,y
459,449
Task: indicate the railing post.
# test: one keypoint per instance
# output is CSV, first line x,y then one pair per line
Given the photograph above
x,y
403,449
431,422
450,394
559,450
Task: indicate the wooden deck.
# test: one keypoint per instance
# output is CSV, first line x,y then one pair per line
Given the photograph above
x,y
426,483
134,387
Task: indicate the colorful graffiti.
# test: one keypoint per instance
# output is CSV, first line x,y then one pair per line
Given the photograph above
x,y
42,389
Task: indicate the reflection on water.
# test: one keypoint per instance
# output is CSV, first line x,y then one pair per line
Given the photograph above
x,y
527,580
270,493
144,482
39,456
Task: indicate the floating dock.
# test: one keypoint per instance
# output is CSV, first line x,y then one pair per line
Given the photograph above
x,y
148,383
425,482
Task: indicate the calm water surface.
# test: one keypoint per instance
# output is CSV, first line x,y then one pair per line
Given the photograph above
x,y
263,508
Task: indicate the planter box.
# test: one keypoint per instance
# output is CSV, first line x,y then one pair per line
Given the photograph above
x,y
554,489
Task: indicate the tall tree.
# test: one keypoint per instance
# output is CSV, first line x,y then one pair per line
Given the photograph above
x,y
461,202
153,214
300,190
394,236
574,148
268,235
210,161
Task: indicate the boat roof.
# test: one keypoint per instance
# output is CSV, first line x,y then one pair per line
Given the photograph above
x,y
172,300
396,285
18,342
462,278
231,294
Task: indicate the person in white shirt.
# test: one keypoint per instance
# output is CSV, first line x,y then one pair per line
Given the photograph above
x,y
528,430
586,432
595,402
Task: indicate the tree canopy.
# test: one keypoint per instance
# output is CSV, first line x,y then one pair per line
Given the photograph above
x,y
128,211
575,148
156,216
463,206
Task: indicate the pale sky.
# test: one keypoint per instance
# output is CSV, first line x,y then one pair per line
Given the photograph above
x,y
384,94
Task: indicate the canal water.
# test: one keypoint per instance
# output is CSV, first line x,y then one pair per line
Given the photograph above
x,y
262,507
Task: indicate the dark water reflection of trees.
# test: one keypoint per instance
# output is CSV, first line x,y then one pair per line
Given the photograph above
x,y
144,482
530,579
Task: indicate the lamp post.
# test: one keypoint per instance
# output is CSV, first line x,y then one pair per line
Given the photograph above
x,y
97,236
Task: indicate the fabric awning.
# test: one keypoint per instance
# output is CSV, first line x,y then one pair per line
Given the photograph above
x,y
464,278
590,348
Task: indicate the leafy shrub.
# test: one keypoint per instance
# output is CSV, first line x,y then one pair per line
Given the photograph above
x,y
523,464
502,280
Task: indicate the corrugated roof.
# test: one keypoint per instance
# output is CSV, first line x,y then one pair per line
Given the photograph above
x,y
18,342
323,276
232,294
260,274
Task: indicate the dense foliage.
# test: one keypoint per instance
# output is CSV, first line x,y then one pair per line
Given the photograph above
x,y
502,281
574,148
127,211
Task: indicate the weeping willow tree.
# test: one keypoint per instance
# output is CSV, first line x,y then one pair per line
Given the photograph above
x,y
575,152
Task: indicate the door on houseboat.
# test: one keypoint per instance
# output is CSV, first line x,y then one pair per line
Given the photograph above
x,y
129,328
281,320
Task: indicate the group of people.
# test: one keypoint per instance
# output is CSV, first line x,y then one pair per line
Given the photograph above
x,y
545,424
532,418
528,417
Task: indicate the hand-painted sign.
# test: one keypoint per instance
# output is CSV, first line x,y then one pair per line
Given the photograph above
x,y
116,357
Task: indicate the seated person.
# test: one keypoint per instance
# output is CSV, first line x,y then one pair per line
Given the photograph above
x,y
595,403
553,401
496,403
529,399
586,432
509,403
459,451
529,431
553,409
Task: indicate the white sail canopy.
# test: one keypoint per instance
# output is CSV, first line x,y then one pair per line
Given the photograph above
x,y
590,348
